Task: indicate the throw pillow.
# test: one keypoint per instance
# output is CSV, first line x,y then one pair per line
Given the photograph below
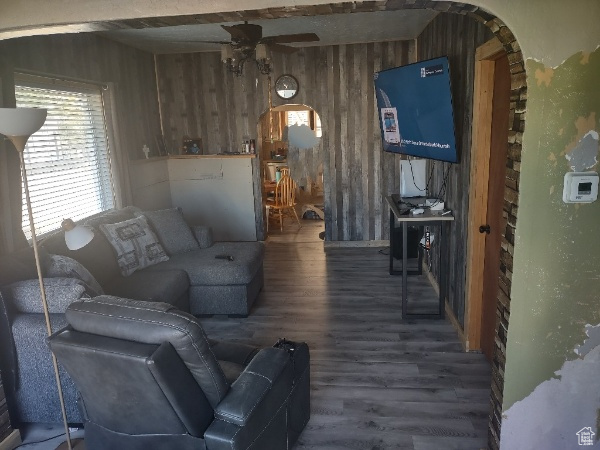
x,y
135,244
63,266
174,234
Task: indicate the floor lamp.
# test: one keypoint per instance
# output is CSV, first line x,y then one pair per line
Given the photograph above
x,y
18,124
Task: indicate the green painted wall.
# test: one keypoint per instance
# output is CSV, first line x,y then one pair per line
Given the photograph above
x,y
556,286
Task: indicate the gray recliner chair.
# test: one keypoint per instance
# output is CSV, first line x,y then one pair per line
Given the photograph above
x,y
149,378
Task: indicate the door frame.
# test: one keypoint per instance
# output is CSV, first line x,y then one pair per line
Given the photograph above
x,y
483,94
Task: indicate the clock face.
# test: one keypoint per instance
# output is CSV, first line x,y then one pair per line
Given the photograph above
x,y
286,86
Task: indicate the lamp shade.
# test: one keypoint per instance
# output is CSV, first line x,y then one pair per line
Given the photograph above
x,y
21,121
76,236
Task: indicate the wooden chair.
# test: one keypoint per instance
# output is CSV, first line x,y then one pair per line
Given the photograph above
x,y
284,200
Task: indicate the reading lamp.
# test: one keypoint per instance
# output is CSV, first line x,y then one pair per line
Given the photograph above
x,y
18,124
76,236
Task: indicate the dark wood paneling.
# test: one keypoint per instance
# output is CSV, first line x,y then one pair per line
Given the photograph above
x,y
93,58
336,82
457,37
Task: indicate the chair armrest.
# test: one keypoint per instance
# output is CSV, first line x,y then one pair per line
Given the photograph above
x,y
25,296
203,235
264,385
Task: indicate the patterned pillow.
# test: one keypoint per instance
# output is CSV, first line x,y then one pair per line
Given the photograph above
x,y
60,266
135,243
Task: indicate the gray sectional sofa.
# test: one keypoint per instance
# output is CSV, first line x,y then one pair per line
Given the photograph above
x,y
214,285
196,276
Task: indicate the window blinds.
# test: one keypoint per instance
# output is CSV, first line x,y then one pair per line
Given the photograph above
x,y
67,160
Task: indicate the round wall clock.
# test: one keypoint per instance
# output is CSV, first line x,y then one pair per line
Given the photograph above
x,y
286,86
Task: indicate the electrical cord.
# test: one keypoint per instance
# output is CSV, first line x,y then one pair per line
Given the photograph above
x,y
426,190
413,178
443,187
40,442
430,175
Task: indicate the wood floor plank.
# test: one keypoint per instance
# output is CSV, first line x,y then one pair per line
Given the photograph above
x,y
377,381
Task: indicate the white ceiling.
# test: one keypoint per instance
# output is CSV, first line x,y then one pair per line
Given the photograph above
x,y
333,29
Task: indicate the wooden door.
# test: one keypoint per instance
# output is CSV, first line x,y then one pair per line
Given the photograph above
x,y
497,171
486,197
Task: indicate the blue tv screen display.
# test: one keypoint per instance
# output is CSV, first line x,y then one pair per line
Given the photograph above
x,y
415,110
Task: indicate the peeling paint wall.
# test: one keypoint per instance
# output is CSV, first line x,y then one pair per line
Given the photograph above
x,y
558,409
550,389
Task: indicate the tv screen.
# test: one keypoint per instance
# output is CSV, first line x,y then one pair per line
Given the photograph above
x,y
415,110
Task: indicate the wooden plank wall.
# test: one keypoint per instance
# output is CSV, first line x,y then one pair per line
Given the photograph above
x,y
93,58
200,99
457,37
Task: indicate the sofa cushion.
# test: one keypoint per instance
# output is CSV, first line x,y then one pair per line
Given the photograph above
x,y
60,266
164,286
233,357
170,227
204,269
231,370
135,244
203,235
60,293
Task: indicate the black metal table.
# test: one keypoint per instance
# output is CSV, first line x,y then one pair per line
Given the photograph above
x,y
427,218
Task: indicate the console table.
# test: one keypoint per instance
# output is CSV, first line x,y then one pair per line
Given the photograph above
x,y
427,218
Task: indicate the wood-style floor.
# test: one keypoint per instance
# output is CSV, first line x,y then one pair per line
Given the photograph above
x,y
377,382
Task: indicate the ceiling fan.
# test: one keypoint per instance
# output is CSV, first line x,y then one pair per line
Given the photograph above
x,y
248,36
247,42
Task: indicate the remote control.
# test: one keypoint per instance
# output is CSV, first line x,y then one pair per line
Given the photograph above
x,y
228,257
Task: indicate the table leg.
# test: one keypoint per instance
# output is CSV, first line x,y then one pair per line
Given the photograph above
x,y
392,226
404,270
442,272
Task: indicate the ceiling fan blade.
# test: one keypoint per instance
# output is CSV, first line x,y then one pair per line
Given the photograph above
x,y
245,32
282,48
288,38
201,42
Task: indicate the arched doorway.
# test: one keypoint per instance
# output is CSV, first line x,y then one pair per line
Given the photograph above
x,y
290,140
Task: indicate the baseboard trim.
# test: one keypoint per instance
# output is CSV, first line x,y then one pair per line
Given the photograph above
x,y
12,441
454,321
449,313
356,244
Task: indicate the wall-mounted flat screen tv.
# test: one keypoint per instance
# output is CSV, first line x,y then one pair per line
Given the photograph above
x,y
415,110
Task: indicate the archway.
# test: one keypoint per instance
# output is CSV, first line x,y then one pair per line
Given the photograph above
x,y
290,138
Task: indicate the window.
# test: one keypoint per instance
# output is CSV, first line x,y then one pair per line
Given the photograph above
x,y
67,160
307,118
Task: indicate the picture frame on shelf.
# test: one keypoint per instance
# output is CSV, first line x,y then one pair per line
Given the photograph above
x,y
191,146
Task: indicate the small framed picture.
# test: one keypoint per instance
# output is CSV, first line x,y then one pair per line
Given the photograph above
x,y
192,146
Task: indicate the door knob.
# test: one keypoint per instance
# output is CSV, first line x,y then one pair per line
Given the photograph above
x,y
484,229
